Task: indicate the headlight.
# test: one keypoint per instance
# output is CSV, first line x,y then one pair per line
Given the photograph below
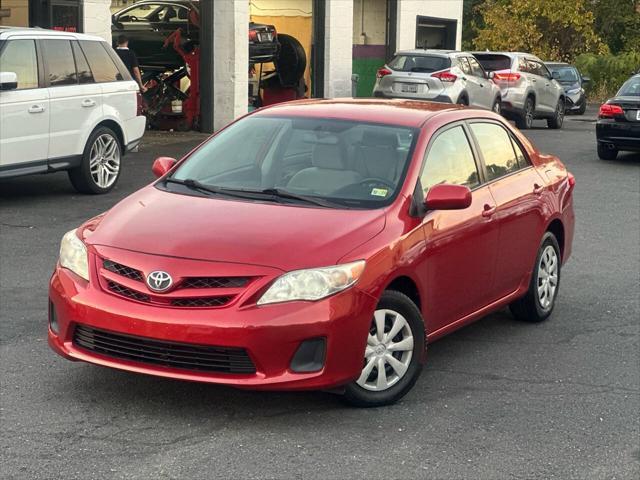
x,y
574,91
73,255
313,284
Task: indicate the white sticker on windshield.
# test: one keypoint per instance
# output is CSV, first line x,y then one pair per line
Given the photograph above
x,y
379,192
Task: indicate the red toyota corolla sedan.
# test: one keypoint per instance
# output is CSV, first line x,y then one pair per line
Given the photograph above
x,y
317,245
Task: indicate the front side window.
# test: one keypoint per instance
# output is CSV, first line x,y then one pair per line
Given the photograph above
x,y
419,63
496,148
102,66
476,69
450,160
143,13
19,57
60,65
347,163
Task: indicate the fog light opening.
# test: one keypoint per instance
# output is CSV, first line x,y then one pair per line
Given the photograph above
x,y
53,318
310,356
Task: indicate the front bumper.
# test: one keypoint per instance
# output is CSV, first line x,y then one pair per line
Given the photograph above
x,y
270,334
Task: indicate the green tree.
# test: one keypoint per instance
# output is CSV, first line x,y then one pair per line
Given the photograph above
x,y
617,22
551,29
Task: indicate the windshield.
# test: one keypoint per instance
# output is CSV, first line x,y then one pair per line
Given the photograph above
x,y
342,163
419,63
630,88
565,74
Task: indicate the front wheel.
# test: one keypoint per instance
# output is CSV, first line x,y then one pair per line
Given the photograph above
x,y
540,299
101,163
392,357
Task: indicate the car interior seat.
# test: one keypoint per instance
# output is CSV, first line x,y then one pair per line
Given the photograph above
x,y
376,156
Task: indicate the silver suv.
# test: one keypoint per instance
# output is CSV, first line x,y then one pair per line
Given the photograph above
x,y
440,76
528,90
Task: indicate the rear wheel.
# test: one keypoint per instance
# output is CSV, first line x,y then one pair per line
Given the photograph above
x,y
525,120
557,120
540,299
606,153
101,163
392,357
463,101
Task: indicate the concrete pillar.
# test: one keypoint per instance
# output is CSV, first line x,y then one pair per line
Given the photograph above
x,y
338,48
97,18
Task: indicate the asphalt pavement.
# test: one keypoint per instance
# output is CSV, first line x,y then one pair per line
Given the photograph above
x,y
498,399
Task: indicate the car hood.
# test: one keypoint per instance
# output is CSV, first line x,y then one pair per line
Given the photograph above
x,y
287,237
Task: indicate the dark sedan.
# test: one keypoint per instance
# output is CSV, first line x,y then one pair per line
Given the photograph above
x,y
618,126
149,23
573,83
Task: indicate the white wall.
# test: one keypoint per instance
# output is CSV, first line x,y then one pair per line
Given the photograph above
x,y
97,18
408,10
338,48
286,8
370,17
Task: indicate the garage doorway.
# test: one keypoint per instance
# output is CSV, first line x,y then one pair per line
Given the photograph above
x,y
436,33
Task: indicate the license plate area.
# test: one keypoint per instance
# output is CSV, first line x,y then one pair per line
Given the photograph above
x,y
264,37
408,88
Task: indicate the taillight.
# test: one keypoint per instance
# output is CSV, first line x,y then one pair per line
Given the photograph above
x,y
253,35
274,32
608,110
572,181
506,76
445,76
382,72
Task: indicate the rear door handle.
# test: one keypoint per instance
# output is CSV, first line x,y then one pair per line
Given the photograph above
x,y
87,102
537,189
36,109
489,210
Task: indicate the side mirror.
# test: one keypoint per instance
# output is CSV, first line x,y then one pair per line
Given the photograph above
x,y
8,81
490,75
586,79
447,197
162,165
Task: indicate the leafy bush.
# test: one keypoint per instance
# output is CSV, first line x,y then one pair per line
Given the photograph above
x,y
607,72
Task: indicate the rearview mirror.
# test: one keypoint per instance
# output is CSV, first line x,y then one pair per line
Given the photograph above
x,y
447,197
8,81
162,165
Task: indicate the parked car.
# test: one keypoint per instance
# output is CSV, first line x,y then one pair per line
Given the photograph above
x,y
67,102
618,125
148,23
412,219
527,88
573,83
439,76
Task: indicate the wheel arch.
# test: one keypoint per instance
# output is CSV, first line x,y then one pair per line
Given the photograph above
x,y
557,228
406,285
117,129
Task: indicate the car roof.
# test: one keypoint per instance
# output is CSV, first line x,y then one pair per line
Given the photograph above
x,y
407,113
427,51
558,64
508,54
10,32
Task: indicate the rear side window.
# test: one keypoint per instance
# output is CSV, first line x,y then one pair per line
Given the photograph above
x,y
450,160
102,66
464,65
59,60
419,63
19,57
496,148
491,62
82,66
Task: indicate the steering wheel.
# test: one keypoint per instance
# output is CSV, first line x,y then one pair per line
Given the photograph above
x,y
375,181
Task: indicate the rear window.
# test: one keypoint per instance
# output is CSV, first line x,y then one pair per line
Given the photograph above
x,y
492,62
419,63
102,66
630,88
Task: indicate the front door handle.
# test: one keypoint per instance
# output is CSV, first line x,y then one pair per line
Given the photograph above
x,y
538,189
489,210
88,103
36,109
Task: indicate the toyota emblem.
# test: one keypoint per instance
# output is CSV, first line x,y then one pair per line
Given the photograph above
x,y
159,281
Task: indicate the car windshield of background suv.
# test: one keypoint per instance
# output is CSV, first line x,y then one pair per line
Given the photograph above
x,y
565,74
339,164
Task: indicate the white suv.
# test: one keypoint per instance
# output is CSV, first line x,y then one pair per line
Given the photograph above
x,y
67,102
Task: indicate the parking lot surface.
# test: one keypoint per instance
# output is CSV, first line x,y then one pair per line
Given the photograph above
x,y
497,399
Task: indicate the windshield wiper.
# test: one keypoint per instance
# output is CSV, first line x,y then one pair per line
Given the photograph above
x,y
276,192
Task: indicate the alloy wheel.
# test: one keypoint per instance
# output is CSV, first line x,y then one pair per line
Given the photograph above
x,y
388,352
496,108
547,277
104,160
560,110
528,115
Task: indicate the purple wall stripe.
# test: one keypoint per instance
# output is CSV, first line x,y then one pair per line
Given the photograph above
x,y
369,51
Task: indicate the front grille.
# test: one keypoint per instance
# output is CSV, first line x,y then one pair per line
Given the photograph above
x,y
127,292
123,270
183,356
201,302
214,282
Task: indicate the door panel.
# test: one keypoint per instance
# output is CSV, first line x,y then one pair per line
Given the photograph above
x,y
484,92
461,251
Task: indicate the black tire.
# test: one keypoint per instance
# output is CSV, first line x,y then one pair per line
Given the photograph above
x,y
525,120
358,396
81,177
605,153
463,100
291,62
529,307
497,106
583,108
557,120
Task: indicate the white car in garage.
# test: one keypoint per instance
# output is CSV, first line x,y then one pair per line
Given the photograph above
x,y
67,102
